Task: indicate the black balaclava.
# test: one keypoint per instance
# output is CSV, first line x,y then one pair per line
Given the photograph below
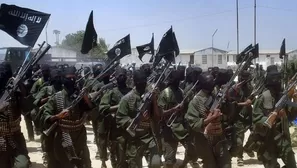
x,y
56,79
244,76
174,79
69,80
139,79
121,77
189,75
45,70
215,71
35,68
181,70
86,70
147,69
273,79
195,75
97,69
5,74
207,82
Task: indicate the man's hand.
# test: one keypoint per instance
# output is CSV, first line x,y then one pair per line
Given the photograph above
x,y
63,114
44,100
212,116
179,107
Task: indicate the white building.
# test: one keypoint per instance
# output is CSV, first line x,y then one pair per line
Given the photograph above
x,y
210,57
266,57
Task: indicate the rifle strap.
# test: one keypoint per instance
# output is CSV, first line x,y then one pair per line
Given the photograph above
x,y
67,143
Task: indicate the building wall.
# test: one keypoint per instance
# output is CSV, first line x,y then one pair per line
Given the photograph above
x,y
210,58
183,58
265,59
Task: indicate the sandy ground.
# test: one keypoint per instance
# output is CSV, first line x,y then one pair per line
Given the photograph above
x,y
36,154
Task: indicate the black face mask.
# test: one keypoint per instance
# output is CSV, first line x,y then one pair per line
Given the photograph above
x,y
121,80
57,83
140,87
69,84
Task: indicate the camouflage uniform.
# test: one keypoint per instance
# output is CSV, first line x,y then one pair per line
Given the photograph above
x,y
168,99
70,137
13,149
212,148
46,142
118,146
273,143
144,137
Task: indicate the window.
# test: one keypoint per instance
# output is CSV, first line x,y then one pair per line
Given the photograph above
x,y
228,58
267,56
272,61
192,59
220,59
204,59
234,58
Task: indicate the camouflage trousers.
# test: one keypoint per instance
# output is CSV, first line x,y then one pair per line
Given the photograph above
x,y
15,158
213,156
135,151
19,161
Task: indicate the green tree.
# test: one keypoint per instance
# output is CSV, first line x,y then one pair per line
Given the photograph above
x,y
73,41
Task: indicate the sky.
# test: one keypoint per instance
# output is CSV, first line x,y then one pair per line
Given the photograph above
x,y
194,21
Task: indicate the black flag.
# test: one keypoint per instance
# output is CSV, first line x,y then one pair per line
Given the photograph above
x,y
90,37
146,49
120,49
282,52
23,24
167,47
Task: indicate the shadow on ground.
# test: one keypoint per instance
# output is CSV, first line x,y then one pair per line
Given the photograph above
x,y
37,165
252,161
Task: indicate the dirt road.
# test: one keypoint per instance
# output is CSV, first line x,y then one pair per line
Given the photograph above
x,y
36,154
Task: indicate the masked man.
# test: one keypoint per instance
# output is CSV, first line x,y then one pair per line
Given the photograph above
x,y
108,106
13,150
143,138
70,138
272,143
40,99
206,126
170,101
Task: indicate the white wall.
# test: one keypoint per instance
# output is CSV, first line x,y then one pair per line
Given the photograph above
x,y
211,61
183,58
265,59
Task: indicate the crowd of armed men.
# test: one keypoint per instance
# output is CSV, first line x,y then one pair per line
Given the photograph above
x,y
179,113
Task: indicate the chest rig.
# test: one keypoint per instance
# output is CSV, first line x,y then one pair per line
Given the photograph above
x,y
67,142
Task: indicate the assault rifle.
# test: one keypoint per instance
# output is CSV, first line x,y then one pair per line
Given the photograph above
x,y
245,63
13,83
96,95
146,102
282,102
174,115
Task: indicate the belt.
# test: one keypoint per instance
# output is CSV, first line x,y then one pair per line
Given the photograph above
x,y
8,128
70,125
